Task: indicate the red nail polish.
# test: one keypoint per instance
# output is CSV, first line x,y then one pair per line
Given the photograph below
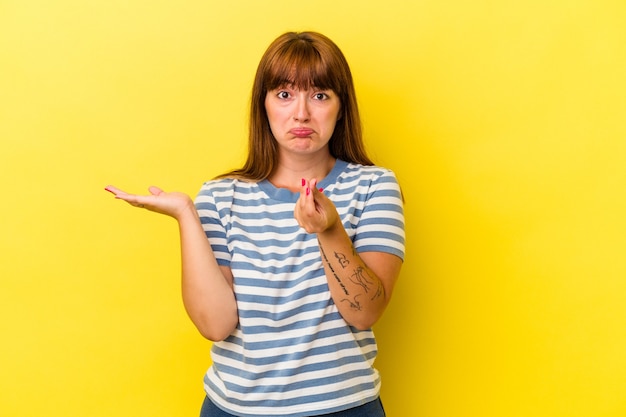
x,y
308,191
321,190
303,182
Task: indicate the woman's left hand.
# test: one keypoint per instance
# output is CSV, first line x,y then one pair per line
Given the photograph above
x,y
314,211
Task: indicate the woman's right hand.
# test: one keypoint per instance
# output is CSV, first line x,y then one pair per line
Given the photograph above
x,y
172,204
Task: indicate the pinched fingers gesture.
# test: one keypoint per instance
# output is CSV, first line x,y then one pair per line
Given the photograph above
x,y
314,212
172,204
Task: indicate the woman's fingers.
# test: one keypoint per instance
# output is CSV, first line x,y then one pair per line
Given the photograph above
x,y
314,211
114,190
173,204
132,199
155,190
307,199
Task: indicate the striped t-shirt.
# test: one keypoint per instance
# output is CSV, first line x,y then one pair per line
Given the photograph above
x,y
292,354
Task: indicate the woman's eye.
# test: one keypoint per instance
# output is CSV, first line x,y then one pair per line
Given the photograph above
x,y
321,96
283,94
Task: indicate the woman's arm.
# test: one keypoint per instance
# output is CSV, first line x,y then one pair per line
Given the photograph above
x,y
206,287
360,284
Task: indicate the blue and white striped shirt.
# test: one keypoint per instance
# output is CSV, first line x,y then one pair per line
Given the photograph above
x,y
292,353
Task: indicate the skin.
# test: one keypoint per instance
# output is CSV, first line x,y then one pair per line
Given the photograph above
x,y
361,284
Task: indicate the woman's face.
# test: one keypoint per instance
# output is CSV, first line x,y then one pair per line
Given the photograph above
x,y
302,121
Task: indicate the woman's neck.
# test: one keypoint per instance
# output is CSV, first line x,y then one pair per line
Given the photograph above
x,y
289,172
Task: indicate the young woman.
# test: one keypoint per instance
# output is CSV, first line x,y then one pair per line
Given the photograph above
x,y
289,261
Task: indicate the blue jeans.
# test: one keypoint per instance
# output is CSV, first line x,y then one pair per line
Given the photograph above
x,y
371,409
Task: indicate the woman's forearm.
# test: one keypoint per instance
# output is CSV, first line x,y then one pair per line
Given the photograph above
x,y
359,293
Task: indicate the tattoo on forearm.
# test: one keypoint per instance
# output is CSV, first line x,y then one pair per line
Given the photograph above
x,y
380,290
343,287
341,258
354,304
362,278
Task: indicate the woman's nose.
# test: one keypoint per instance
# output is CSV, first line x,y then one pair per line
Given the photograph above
x,y
301,110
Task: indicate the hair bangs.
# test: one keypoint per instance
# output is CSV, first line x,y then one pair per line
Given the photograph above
x,y
300,66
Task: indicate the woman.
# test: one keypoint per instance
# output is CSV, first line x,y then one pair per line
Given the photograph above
x,y
289,261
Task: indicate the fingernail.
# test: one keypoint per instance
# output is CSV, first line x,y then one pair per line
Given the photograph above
x,y
107,189
321,189
308,190
303,182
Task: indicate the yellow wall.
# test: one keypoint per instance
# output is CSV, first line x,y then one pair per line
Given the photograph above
x,y
504,121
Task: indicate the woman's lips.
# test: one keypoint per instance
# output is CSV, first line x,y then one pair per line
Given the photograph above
x,y
301,132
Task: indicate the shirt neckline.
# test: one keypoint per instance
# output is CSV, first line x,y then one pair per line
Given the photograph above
x,y
283,194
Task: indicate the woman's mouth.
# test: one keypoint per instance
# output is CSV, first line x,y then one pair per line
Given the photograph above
x,y
301,132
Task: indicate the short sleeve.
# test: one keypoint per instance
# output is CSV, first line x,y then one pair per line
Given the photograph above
x,y
381,224
211,218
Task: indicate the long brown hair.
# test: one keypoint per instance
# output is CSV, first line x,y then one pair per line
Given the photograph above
x,y
305,59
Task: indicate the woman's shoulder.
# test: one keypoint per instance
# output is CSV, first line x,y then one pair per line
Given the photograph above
x,y
226,186
373,171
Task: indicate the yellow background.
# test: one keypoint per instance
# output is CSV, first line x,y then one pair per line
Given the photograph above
x,y
504,120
